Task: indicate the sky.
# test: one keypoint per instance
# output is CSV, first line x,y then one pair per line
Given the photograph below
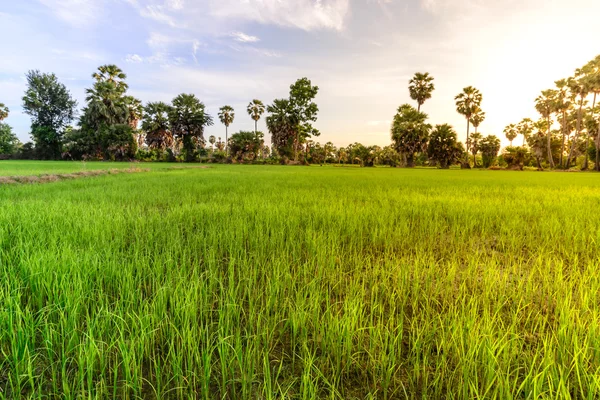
x,y
361,54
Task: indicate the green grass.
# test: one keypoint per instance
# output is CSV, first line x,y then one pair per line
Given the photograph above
x,y
267,282
23,168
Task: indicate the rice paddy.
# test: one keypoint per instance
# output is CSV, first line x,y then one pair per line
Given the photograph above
x,y
269,282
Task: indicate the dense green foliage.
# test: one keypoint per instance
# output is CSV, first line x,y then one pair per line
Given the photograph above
x,y
443,146
51,108
248,282
410,132
9,143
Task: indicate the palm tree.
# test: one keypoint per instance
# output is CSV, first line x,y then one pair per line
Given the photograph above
x,y
135,110
511,133
226,115
592,78
544,104
475,140
477,118
580,87
105,105
466,103
113,74
525,128
156,124
256,108
3,112
420,88
562,106
212,140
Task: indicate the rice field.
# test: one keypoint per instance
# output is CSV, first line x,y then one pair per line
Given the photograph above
x,y
269,282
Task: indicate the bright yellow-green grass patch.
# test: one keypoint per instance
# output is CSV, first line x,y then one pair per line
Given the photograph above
x,y
268,282
24,168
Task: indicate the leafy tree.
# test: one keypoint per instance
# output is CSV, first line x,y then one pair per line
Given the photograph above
x,y
421,88
3,112
118,142
524,128
443,146
290,120
489,146
156,124
51,108
188,119
244,144
544,104
538,141
226,116
467,103
581,88
515,156
511,132
410,132
474,147
9,143
256,109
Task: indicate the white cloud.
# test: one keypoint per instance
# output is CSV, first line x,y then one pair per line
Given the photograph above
x,y
157,13
134,59
80,13
242,37
174,4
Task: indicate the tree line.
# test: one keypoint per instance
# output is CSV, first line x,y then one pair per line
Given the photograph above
x,y
114,125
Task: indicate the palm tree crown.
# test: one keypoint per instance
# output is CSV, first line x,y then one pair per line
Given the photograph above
x,y
256,109
420,88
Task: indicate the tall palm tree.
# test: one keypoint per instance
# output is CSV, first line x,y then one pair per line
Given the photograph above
x,y
477,118
466,103
475,141
256,109
135,110
562,106
3,112
420,88
592,71
511,133
544,104
156,124
580,87
113,74
226,115
525,128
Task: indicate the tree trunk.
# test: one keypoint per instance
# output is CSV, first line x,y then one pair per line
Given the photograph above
x,y
550,159
576,134
418,107
255,126
587,139
410,160
226,140
564,133
468,129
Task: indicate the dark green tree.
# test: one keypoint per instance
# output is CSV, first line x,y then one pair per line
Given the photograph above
x,y
9,143
155,123
51,108
290,120
410,132
444,147
188,118
245,144
489,147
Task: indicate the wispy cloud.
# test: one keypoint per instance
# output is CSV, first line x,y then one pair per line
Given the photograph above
x,y
79,13
242,37
134,59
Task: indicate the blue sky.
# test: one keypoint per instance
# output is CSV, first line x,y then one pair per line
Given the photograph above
x,y
361,53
